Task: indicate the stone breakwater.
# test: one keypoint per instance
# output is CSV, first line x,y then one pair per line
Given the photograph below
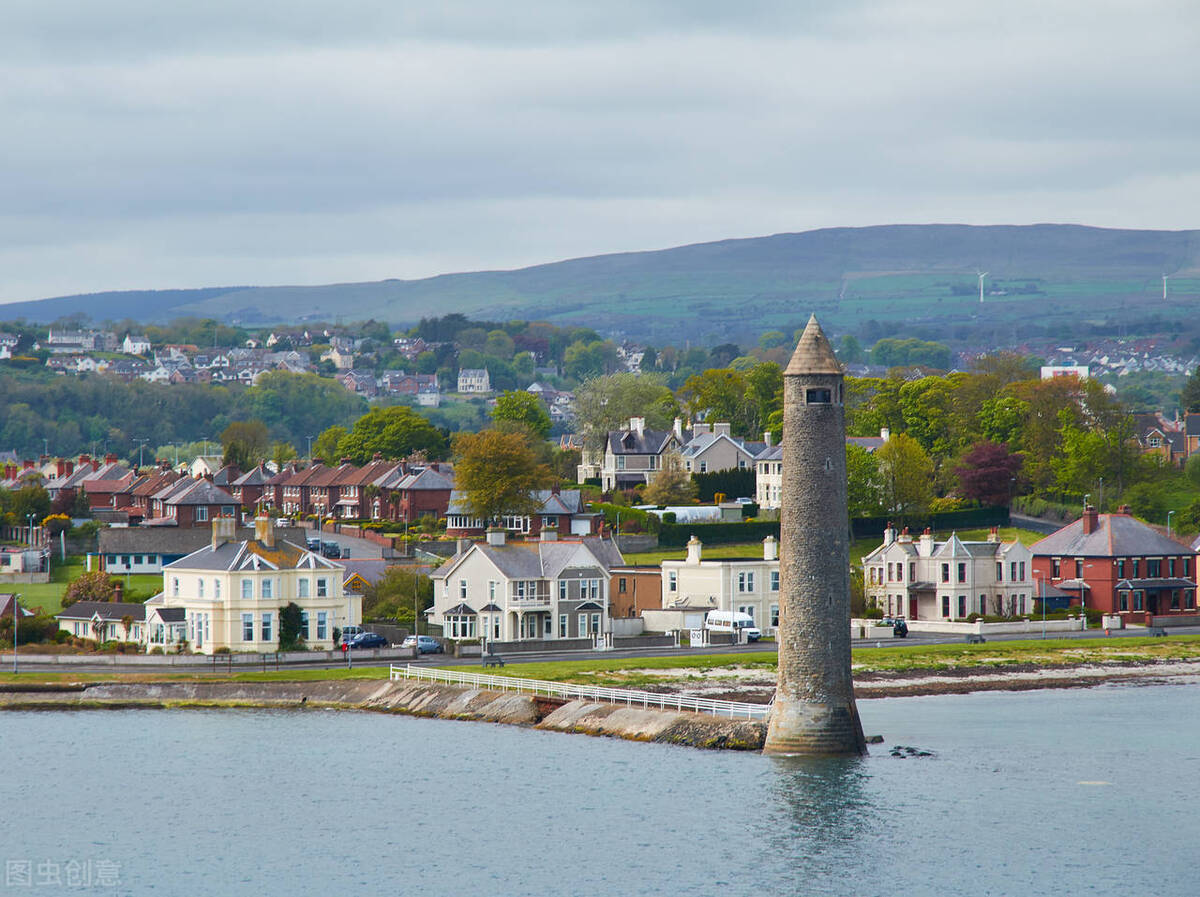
x,y
414,699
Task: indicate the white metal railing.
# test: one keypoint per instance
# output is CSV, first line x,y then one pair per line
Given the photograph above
x,y
629,697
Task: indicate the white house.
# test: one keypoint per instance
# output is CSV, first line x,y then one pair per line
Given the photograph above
x,y
231,591
541,590
135,344
474,380
748,585
924,579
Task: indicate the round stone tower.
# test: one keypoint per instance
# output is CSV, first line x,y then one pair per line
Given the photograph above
x,y
814,710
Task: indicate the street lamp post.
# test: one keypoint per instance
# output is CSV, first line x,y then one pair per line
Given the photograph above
x,y
141,446
16,615
349,620
309,448
1169,513
1042,591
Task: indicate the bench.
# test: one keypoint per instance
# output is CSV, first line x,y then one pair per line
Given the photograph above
x,y
1158,630
975,639
492,660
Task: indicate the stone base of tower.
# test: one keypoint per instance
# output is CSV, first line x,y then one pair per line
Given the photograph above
x,y
807,727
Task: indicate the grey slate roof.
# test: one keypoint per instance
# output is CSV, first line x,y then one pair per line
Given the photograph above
x,y
172,540
569,501
650,442
252,555
108,610
1115,535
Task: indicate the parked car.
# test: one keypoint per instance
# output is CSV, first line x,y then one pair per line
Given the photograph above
x,y
425,644
350,633
369,640
331,549
312,544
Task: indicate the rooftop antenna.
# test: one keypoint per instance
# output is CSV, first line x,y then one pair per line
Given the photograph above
x,y
982,275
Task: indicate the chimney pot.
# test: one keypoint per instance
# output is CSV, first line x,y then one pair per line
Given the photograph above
x,y
496,536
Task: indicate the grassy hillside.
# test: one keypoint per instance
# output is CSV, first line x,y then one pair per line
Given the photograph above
x,y
738,288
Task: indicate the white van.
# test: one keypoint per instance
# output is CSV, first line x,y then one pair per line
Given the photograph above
x,y
732,621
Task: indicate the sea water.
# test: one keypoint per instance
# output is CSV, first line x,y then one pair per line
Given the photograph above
x,y
1049,792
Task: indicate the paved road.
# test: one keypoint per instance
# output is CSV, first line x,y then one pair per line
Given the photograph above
x,y
513,660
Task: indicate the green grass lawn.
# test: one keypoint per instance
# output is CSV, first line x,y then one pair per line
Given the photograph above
x,y
47,596
858,547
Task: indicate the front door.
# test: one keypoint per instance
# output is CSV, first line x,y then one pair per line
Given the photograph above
x,y
1152,603
912,607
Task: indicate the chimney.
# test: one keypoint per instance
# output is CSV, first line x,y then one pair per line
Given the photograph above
x,y
264,530
905,536
770,548
994,534
637,425
27,464
701,429
767,438
223,530
118,594
549,534
378,456
889,534
677,429
1089,519
694,549
721,429
110,458
461,545
495,537
885,434
926,549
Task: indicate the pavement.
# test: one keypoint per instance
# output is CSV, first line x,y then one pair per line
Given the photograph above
x,y
512,660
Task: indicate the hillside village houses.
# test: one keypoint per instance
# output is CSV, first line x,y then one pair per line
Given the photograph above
x,y
924,579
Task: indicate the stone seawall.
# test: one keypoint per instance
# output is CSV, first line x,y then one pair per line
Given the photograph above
x,y
415,699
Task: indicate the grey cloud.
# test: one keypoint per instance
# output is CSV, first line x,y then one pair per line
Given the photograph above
x,y
151,145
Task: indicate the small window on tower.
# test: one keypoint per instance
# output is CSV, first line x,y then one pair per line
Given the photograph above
x,y
817,397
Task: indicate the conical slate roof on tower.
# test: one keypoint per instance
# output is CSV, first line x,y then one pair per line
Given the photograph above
x,y
813,353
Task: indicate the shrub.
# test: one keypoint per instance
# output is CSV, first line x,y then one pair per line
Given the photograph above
x,y
157,649
224,649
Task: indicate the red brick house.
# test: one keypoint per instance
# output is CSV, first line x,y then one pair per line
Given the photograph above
x,y
1119,565
408,493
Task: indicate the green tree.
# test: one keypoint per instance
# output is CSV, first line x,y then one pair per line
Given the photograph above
x,y
772,338
523,408
589,359
394,432
326,445
246,443
1001,419
392,597
1189,398
291,635
849,351
282,452
906,475
607,403
498,474
672,486
864,483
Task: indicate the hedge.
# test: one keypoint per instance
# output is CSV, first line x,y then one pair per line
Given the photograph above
x,y
732,483
674,535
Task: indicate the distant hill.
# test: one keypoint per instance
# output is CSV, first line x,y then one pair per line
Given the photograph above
x,y
735,289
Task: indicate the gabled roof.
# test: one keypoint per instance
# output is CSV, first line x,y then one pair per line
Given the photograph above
x,y
111,611
253,555
255,476
175,540
6,607
650,442
201,492
542,560
1115,535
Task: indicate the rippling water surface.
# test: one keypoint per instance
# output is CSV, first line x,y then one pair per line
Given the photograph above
x,y
1055,792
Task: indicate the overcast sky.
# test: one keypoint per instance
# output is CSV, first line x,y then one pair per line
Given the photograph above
x,y
150,144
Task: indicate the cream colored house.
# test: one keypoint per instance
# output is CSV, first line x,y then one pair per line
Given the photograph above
x,y
749,585
231,591
540,590
924,579
713,447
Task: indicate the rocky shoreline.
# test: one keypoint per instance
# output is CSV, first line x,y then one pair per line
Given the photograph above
x,y
962,680
414,699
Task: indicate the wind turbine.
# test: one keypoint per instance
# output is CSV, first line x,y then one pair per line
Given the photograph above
x,y
982,275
